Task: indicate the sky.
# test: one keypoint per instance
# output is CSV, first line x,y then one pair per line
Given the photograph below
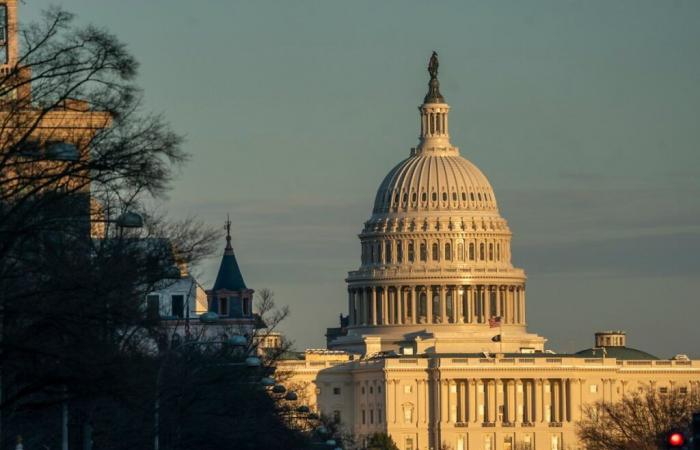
x,y
584,115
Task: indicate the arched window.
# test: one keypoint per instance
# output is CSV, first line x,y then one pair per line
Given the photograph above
x,y
434,196
423,252
399,252
371,252
448,252
471,251
454,196
493,308
464,196
422,305
414,197
498,251
379,253
460,251
387,252
435,252
411,255
478,195
424,197
490,251
444,196
482,254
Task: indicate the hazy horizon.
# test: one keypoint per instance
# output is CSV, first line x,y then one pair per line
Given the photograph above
x,y
583,115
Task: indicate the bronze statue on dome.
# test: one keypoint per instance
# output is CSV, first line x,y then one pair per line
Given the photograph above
x,y
433,66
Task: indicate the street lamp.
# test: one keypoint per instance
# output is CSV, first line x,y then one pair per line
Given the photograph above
x,y
267,381
130,219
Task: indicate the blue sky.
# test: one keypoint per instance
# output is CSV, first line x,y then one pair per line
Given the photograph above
x,y
583,114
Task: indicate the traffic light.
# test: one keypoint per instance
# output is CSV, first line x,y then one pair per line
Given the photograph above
x,y
675,439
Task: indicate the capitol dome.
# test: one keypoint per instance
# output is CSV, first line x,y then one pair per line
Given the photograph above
x,y
435,254
428,181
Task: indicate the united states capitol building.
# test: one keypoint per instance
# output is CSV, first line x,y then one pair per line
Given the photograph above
x,y
435,349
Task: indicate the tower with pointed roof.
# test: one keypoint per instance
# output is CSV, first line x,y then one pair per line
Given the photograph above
x,y
230,298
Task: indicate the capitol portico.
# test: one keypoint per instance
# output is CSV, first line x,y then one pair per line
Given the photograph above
x,y
435,349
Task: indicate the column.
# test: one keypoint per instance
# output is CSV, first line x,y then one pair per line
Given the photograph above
x,y
481,396
351,308
464,401
400,297
365,306
519,401
459,293
443,387
522,306
556,401
493,401
500,388
426,401
419,412
385,305
473,401
390,299
374,305
429,304
443,304
542,401
511,396
414,310
497,293
546,400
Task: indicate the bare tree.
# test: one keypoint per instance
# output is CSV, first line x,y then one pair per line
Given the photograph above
x,y
639,421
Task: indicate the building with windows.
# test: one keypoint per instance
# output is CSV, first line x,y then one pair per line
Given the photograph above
x,y
435,348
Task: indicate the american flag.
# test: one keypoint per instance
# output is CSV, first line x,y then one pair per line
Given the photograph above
x,y
495,321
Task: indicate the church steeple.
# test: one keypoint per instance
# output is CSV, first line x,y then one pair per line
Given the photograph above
x,y
433,121
229,276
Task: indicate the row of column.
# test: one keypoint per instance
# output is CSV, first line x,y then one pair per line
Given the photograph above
x,y
421,304
433,123
511,401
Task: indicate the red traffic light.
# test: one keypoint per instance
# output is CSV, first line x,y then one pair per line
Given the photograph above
x,y
676,439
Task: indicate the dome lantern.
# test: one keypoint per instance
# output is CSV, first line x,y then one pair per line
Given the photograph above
x,y
434,111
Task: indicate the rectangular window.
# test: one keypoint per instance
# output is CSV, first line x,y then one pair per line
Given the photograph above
x,y
388,252
423,252
399,252
663,390
223,307
178,305
379,415
363,417
371,416
409,443
153,306
594,388
3,23
336,416
336,391
246,307
411,255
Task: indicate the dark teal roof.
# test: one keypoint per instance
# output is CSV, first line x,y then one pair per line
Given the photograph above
x,y
616,352
229,276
